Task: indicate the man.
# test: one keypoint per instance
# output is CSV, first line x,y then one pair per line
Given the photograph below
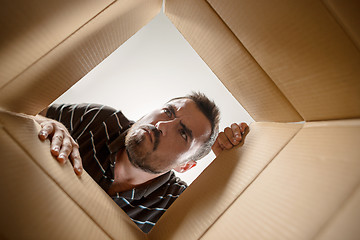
x,y
132,162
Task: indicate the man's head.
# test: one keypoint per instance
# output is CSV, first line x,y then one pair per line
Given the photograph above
x,y
175,136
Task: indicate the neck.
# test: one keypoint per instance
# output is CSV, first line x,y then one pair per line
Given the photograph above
x,y
127,176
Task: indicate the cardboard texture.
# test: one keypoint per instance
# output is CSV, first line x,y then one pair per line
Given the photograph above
x,y
284,61
83,191
31,205
66,63
230,61
300,190
346,14
25,38
223,182
345,223
304,50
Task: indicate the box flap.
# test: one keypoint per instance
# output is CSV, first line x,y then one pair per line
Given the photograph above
x,y
205,200
32,206
345,223
230,61
346,13
301,189
83,191
50,76
25,38
302,47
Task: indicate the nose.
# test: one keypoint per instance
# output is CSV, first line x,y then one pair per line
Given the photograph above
x,y
165,126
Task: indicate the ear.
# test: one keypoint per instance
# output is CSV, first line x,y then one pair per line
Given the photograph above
x,y
185,166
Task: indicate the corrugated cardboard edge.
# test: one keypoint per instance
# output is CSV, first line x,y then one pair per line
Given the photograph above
x,y
32,34
303,187
15,132
213,48
304,50
62,67
202,204
27,190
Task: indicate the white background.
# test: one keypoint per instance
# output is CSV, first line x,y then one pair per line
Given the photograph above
x,y
153,66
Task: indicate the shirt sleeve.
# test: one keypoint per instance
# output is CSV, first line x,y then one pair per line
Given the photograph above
x,y
75,115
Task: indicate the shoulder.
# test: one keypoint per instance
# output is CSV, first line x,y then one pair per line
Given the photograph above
x,y
95,109
79,110
86,111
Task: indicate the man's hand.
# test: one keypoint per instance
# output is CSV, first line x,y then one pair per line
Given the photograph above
x,y
63,146
230,137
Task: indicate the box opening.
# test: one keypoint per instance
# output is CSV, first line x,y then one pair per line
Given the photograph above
x,y
153,66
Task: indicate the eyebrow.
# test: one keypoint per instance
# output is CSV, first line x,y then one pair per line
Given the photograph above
x,y
186,129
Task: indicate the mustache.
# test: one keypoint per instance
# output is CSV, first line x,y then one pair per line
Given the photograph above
x,y
156,133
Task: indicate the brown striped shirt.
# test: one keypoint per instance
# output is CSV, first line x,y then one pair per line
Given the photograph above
x,y
97,128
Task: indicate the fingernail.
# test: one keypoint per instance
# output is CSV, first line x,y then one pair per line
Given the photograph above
x,y
43,134
62,157
56,149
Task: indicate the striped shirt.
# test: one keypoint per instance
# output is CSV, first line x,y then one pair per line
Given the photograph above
x,y
97,129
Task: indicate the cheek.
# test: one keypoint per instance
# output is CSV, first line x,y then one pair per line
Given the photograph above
x,y
173,150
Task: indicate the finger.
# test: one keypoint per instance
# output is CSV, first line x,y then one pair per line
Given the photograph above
x,y
56,142
244,131
76,160
243,127
65,150
236,132
230,136
224,141
46,130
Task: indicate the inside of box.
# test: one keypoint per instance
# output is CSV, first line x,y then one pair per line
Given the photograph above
x,y
299,61
283,61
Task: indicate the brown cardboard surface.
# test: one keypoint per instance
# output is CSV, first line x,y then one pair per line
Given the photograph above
x,y
301,190
32,206
30,29
303,49
222,182
284,183
230,61
83,191
59,69
345,223
346,13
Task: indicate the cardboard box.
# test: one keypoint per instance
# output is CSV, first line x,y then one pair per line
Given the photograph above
x,y
294,66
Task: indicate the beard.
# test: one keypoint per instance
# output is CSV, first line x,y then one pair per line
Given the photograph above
x,y
134,145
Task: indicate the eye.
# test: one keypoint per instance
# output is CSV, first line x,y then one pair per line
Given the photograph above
x,y
183,134
167,112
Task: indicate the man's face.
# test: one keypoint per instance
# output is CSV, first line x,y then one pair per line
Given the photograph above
x,y
167,137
